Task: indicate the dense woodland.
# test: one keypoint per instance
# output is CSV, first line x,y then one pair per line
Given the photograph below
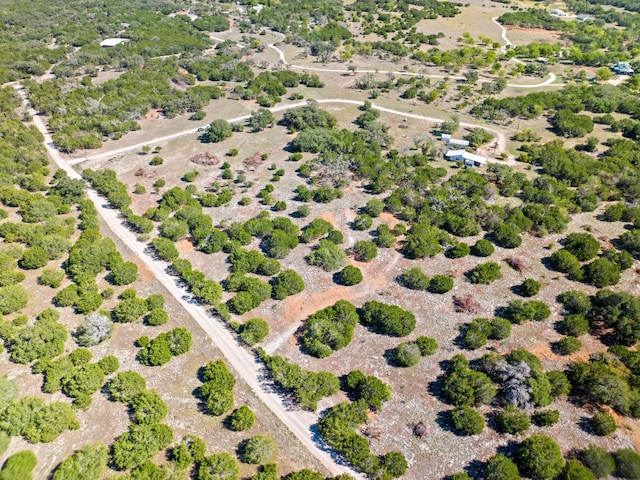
x,y
51,233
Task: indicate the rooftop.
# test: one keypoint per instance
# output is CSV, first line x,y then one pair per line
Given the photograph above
x,y
112,42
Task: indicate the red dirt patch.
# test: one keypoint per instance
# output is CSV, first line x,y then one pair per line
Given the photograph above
x,y
541,31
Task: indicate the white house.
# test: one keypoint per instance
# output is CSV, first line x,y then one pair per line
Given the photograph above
x,y
559,13
446,138
468,158
112,42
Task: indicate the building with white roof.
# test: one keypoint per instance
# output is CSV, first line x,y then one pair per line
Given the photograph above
x,y
468,158
112,42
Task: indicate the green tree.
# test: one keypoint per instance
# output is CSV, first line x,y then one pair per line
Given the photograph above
x,y
485,273
34,257
539,457
482,248
217,131
287,283
467,421
529,287
221,466
241,419
349,276
602,424
500,467
19,466
440,284
415,279
139,444
257,449
601,462
583,245
254,331
124,386
88,463
627,463
12,299
512,420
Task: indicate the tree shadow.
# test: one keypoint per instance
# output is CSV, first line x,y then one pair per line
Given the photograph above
x,y
585,425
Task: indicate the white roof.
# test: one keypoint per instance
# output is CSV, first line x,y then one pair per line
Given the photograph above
x,y
112,42
466,156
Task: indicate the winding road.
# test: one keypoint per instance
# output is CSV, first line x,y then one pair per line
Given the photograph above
x,y
501,138
299,422
283,59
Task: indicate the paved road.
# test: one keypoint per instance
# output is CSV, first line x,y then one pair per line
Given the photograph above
x,y
299,422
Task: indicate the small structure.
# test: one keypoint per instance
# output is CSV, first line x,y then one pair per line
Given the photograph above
x,y
446,138
582,17
559,13
112,42
469,159
622,68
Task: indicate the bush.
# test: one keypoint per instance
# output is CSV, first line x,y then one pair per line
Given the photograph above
x,y
257,449
545,418
287,283
241,419
602,272
500,467
362,222
327,255
139,444
349,276
467,421
365,250
602,424
482,248
539,457
156,317
96,328
507,236
566,262
387,319
512,420
109,364
627,463
19,466
574,470
51,277
529,287
568,345
124,386
414,279
601,462
582,245
88,463
254,331
406,354
574,325
218,467
458,251
440,284
369,389
575,301
34,257
485,273
12,299
330,329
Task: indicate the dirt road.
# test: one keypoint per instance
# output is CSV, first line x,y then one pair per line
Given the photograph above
x,y
299,422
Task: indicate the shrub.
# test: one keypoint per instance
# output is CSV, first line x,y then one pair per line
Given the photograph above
x,y
349,276
34,257
627,463
387,319
545,418
539,457
330,329
19,466
257,449
574,325
369,389
582,245
602,424
467,421
327,255
129,310
512,420
139,444
362,222
155,161
241,419
458,251
51,277
254,331
96,328
601,462
406,354
575,301
287,283
147,407
415,279
88,463
602,272
365,250
568,345
529,287
574,470
485,273
374,207
500,467
12,299
440,284
109,364
507,236
566,262
165,249
156,317
482,248
124,386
